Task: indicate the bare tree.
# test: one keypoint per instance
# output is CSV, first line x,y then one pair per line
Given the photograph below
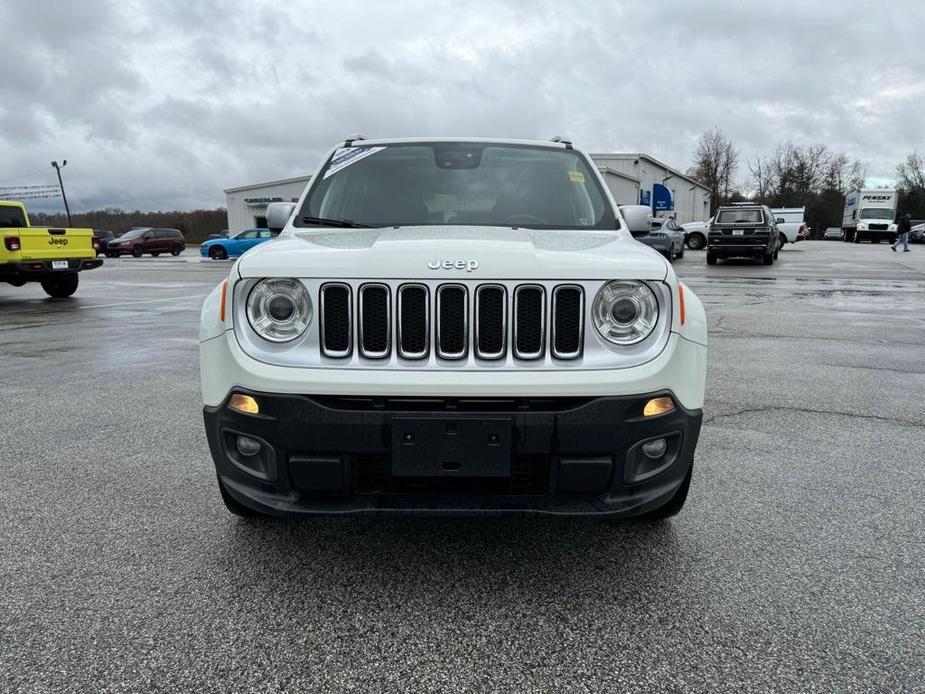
x,y
715,162
764,178
910,174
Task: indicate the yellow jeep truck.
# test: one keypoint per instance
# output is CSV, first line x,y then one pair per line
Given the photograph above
x,y
43,254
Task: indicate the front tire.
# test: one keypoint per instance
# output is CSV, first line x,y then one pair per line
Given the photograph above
x,y
675,504
696,241
62,286
711,258
138,251
218,253
768,259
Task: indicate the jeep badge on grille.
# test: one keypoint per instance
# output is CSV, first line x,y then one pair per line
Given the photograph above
x,y
467,265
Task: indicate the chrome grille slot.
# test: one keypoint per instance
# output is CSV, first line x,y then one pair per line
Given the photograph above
x,y
375,321
413,321
452,321
490,321
336,320
568,308
529,321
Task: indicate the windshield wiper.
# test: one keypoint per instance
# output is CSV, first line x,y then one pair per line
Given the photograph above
x,y
325,222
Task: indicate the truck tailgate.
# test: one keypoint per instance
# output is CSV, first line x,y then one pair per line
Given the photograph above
x,y
49,243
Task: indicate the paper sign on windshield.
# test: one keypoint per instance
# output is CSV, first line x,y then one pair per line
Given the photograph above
x,y
345,156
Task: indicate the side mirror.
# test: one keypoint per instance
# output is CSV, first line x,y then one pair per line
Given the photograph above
x,y
638,219
278,214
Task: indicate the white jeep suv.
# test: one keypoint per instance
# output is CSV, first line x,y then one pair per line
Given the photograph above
x,y
454,325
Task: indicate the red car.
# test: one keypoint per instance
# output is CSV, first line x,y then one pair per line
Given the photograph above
x,y
143,240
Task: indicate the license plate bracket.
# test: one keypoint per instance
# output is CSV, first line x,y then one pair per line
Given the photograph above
x,y
738,232
59,265
457,447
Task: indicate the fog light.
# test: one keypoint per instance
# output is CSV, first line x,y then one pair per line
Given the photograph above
x,y
248,446
244,404
653,449
658,406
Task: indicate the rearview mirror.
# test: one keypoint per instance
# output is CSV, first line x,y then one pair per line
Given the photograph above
x,y
278,214
638,219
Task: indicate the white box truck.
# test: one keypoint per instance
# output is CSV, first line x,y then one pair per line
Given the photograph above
x,y
870,214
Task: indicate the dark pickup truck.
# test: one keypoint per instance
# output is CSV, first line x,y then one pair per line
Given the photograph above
x,y
744,230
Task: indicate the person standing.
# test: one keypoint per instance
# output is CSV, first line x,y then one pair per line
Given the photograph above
x,y
902,232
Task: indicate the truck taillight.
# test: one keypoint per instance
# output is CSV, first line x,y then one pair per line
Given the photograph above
x,y
95,240
12,243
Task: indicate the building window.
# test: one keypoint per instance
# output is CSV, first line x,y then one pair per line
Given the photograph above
x,y
260,222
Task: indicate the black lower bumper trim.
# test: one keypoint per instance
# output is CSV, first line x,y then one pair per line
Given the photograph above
x,y
35,270
330,455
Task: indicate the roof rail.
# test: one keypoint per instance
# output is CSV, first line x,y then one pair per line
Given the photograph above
x,y
564,140
353,138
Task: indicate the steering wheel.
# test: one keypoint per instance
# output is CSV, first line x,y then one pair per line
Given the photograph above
x,y
514,219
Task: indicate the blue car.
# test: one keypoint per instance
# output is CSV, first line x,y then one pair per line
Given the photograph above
x,y
219,249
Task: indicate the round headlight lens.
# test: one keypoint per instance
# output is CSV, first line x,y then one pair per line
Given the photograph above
x,y
279,309
625,312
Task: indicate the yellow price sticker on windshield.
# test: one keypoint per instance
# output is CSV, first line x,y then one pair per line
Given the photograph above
x,y
576,177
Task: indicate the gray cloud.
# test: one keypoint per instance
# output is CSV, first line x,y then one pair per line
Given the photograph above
x,y
163,104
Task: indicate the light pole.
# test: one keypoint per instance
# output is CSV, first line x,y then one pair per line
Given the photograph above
x,y
61,184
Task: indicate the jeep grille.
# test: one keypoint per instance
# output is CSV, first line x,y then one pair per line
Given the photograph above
x,y
404,321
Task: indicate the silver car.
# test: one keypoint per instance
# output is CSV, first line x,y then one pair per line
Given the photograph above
x,y
917,232
666,237
833,234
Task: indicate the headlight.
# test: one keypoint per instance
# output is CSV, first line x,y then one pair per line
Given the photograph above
x,y
279,309
625,312
862,226
892,227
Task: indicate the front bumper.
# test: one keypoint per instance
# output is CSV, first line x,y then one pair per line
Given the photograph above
x,y
338,454
36,270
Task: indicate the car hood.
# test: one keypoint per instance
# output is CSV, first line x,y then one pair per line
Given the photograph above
x,y
454,252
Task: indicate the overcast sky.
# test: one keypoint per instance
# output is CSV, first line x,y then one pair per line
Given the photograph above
x,y
162,104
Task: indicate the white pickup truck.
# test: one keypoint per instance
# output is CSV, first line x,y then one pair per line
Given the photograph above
x,y
454,326
695,234
790,224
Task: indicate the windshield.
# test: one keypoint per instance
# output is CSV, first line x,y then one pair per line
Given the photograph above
x,y
739,217
133,233
458,184
876,213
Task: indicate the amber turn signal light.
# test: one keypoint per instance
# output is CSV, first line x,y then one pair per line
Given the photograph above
x,y
657,406
245,404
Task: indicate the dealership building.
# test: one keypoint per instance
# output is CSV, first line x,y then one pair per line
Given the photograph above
x,y
638,179
247,205
632,179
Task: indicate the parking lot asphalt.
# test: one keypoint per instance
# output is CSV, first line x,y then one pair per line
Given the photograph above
x,y
797,565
